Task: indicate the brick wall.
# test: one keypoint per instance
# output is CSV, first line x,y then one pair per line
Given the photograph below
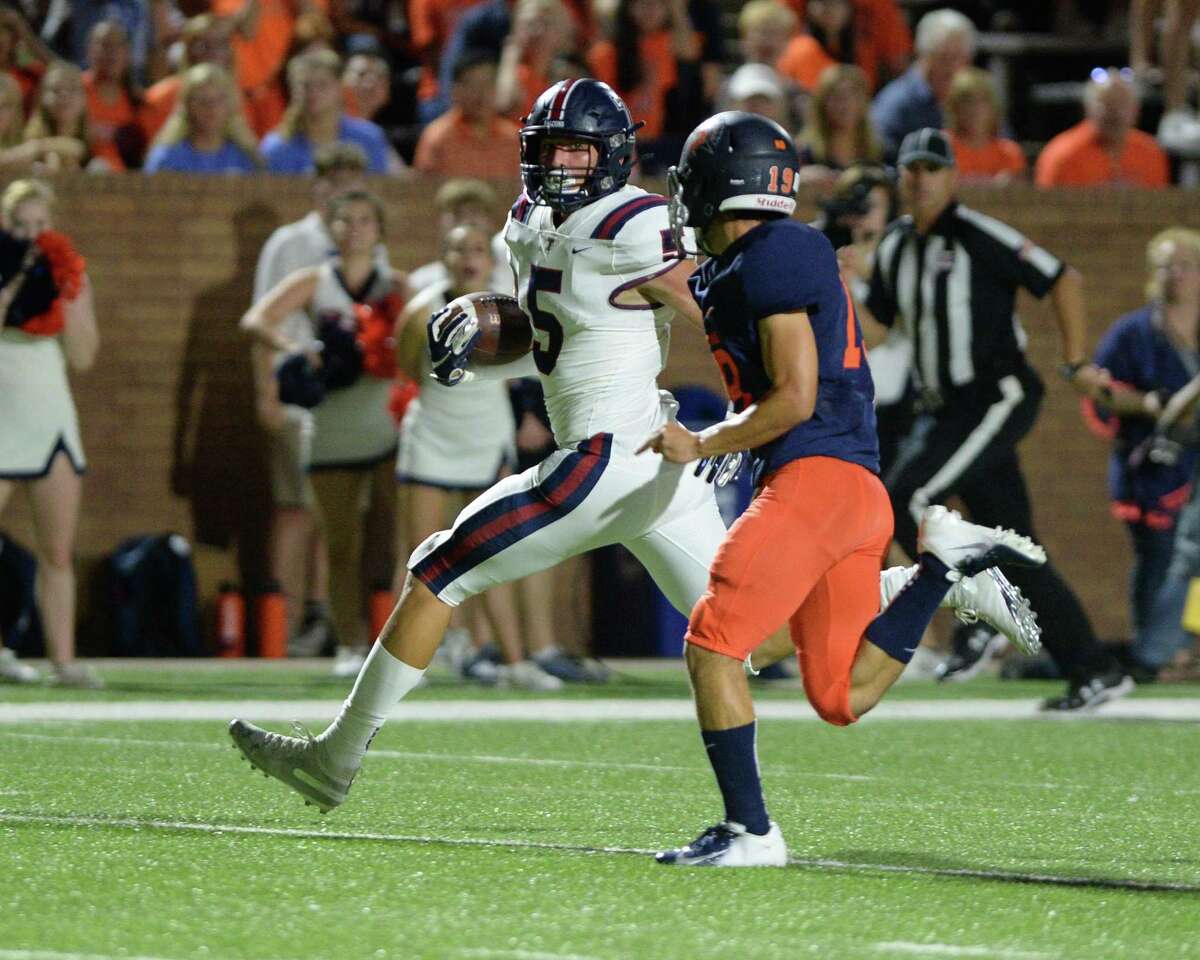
x,y
167,418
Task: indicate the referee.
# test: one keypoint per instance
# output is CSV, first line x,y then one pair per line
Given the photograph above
x,y
949,277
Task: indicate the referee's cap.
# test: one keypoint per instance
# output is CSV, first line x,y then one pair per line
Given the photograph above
x,y
926,145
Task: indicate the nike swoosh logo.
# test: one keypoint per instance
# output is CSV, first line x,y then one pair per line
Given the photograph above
x,y
580,249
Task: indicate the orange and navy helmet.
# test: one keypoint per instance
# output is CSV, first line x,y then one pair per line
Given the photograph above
x,y
733,161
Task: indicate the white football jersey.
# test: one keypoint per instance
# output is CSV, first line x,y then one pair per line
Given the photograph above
x,y
598,359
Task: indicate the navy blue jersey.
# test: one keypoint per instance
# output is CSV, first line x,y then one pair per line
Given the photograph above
x,y
1138,354
784,266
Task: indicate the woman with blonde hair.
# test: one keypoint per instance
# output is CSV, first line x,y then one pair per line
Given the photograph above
x,y
315,116
354,301
207,131
59,121
48,325
1146,357
839,132
973,126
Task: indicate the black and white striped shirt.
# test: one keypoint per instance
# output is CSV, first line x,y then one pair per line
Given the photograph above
x,y
954,289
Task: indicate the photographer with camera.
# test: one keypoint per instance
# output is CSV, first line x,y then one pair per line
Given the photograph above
x,y
863,203
1147,357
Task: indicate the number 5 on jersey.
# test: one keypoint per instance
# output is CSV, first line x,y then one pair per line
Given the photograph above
x,y
547,331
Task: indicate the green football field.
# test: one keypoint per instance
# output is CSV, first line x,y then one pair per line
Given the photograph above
x,y
956,823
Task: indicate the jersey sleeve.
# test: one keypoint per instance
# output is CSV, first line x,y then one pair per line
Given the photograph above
x,y
788,271
640,232
1013,255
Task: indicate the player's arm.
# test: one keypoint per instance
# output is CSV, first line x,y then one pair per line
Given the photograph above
x,y
671,289
263,320
790,353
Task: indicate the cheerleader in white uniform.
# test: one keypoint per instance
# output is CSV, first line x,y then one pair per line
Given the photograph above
x,y
40,449
354,301
456,441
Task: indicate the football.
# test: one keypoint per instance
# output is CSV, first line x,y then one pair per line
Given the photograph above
x,y
505,333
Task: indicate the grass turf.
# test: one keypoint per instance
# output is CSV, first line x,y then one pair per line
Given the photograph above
x,y
432,855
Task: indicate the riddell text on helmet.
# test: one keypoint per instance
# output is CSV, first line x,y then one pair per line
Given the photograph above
x,y
775,203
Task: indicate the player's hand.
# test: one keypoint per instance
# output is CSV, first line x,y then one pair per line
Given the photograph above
x,y
676,443
719,470
452,336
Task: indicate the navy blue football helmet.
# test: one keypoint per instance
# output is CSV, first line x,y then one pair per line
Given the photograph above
x,y
732,161
585,111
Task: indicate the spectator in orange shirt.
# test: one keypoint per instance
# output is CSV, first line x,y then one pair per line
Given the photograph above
x,y
205,39
1105,148
764,29
262,39
113,100
973,126
430,24
830,39
839,132
22,54
653,40
471,139
59,122
881,44
542,31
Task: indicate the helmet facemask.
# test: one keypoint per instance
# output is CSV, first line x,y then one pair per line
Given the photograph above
x,y
683,204
564,188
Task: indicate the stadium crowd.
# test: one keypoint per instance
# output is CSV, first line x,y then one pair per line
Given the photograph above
x,y
341,89
235,86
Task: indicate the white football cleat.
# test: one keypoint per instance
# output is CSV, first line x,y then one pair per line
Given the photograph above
x,y
297,761
990,597
987,596
968,549
729,845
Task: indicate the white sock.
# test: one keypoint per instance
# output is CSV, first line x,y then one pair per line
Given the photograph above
x,y
892,581
383,681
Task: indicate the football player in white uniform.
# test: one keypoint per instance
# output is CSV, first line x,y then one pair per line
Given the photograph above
x,y
600,276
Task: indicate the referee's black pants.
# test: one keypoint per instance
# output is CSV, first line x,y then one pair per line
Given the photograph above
x,y
968,449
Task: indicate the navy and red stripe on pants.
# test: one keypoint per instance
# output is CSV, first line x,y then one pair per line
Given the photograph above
x,y
498,525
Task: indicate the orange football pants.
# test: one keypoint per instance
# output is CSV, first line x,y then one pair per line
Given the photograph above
x,y
807,551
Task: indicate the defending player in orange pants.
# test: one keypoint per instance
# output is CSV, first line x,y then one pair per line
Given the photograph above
x,y
809,549
805,553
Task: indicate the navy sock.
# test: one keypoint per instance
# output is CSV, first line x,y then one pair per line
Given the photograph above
x,y
897,631
735,762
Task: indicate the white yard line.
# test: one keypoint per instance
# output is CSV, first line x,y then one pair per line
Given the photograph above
x,y
837,866
312,711
949,950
